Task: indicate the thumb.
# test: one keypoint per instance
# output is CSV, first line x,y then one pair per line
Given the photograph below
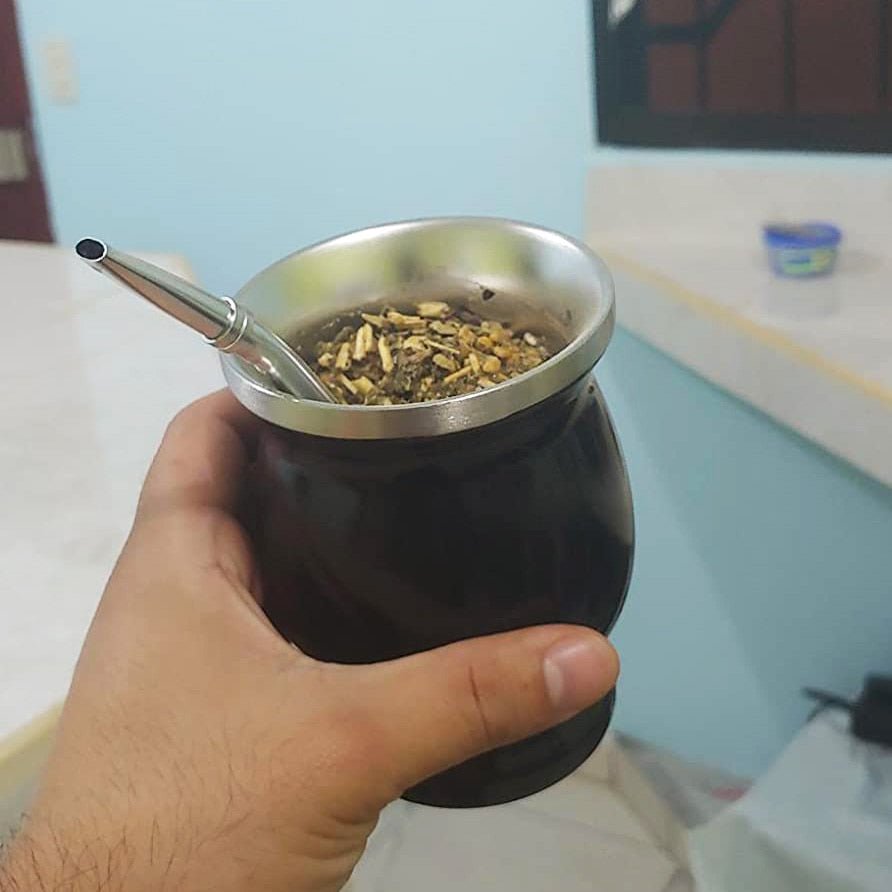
x,y
441,707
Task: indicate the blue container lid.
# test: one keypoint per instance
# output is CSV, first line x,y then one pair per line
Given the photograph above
x,y
804,235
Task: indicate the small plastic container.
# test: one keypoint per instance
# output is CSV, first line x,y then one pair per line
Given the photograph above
x,y
801,250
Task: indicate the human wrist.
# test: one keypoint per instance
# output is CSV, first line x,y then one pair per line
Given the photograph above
x,y
41,857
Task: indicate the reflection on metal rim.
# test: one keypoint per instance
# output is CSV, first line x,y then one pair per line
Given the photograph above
x,y
470,256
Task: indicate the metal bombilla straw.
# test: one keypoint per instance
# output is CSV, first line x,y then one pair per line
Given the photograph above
x,y
220,320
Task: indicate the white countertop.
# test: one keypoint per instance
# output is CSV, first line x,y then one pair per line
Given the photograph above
x,y
816,355
92,376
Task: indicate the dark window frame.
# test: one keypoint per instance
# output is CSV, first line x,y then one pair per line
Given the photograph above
x,y
621,124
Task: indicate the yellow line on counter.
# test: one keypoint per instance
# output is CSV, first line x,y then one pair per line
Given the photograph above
x,y
706,306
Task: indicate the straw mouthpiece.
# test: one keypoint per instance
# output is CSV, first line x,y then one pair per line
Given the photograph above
x,y
91,249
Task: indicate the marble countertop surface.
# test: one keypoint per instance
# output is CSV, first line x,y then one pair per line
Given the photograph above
x,y
683,243
92,375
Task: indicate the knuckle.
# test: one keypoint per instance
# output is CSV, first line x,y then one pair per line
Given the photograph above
x,y
349,735
351,756
485,720
182,421
503,703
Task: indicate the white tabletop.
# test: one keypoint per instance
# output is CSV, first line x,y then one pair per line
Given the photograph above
x,y
91,377
816,355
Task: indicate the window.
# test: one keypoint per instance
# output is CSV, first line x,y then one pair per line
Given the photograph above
x,y
771,74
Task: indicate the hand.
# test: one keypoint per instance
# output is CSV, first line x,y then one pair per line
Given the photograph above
x,y
199,750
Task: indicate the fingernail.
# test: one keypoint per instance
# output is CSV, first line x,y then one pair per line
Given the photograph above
x,y
578,671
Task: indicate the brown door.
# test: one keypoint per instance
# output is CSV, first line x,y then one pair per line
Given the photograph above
x,y
23,210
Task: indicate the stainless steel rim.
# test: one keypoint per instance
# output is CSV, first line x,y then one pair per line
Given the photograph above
x,y
439,417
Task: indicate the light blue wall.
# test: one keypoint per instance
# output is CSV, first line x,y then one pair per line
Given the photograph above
x,y
764,564
239,130
235,131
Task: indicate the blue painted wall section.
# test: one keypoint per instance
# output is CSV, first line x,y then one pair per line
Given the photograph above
x,y
239,130
763,565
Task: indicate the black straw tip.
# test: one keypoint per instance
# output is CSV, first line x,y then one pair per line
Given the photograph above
x,y
91,249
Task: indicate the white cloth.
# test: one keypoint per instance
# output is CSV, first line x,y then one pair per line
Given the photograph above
x,y
820,820
577,836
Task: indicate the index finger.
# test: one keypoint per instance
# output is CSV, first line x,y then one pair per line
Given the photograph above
x,y
202,457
